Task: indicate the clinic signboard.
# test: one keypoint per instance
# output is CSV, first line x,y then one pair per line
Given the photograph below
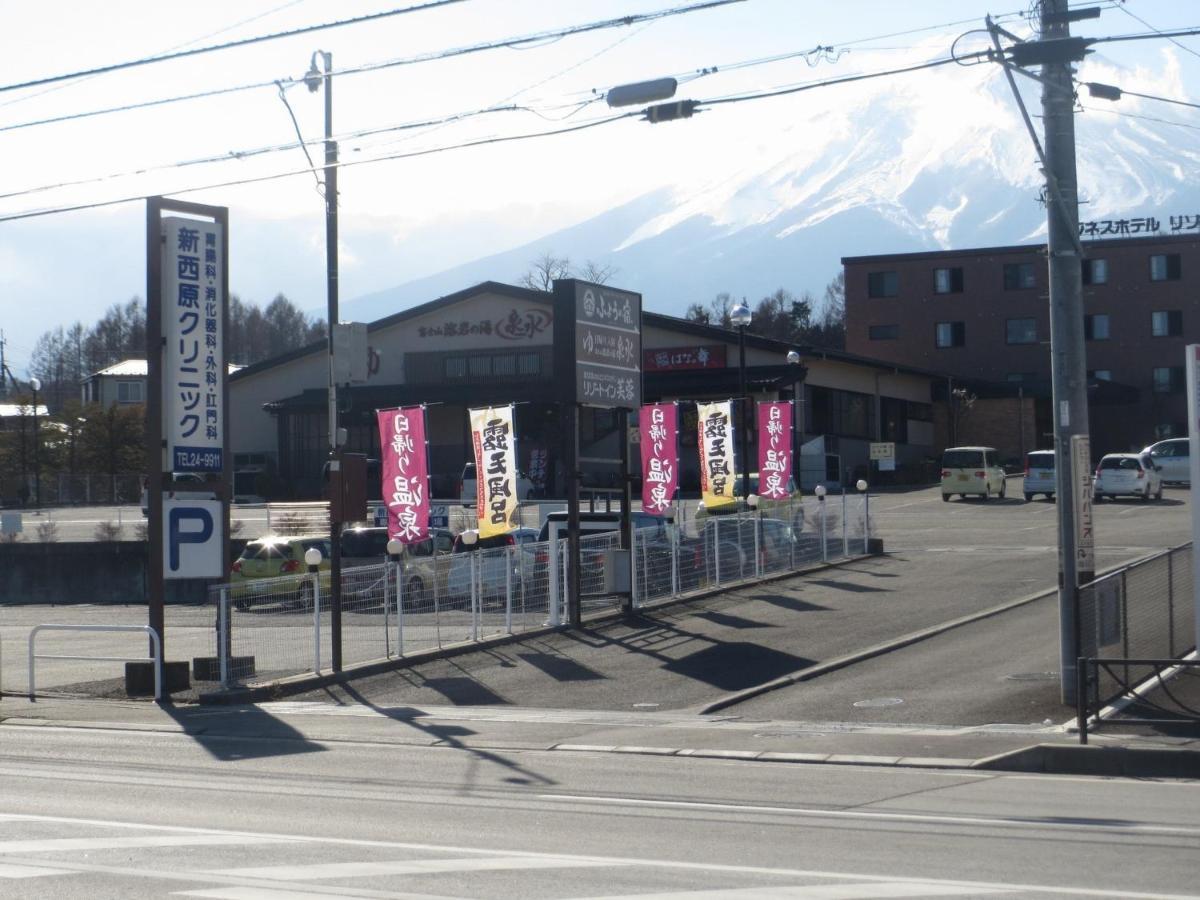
x,y
193,376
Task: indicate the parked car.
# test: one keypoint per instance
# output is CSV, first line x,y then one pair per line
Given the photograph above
x,y
1127,474
1173,457
422,565
495,576
735,543
1039,474
653,538
274,557
775,508
188,478
466,485
972,470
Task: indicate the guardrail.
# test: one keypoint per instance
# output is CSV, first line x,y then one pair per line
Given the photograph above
x,y
156,659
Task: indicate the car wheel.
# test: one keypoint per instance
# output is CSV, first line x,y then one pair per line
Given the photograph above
x,y
987,493
1003,489
241,604
414,589
1158,493
1145,498
1028,497
962,496
945,498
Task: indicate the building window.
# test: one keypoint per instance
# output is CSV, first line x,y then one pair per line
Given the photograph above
x,y
1166,323
529,364
1095,327
504,366
1018,276
1022,331
1168,379
130,392
455,367
1100,374
1165,267
883,284
950,334
844,413
948,281
479,366
1095,271
883,332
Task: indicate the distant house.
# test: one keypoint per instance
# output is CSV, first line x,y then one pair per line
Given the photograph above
x,y
123,383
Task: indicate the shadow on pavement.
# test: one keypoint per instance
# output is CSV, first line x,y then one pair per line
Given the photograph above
x,y
452,736
243,732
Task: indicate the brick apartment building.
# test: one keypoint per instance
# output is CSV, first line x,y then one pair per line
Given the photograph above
x,y
982,316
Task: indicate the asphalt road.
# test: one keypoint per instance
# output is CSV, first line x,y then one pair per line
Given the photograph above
x,y
104,812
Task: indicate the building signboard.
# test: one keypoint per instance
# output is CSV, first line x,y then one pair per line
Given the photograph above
x,y
494,440
608,347
193,375
1081,467
405,473
669,359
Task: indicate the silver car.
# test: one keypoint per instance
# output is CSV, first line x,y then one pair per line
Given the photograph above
x,y
1174,460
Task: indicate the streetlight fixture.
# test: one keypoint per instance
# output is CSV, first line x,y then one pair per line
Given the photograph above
x,y
36,384
741,316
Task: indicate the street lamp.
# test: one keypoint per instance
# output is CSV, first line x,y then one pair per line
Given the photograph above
x,y
36,384
740,316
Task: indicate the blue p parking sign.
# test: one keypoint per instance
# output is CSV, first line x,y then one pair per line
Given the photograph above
x,y
192,538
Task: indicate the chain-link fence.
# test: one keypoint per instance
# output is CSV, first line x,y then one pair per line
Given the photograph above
x,y
1143,611
500,586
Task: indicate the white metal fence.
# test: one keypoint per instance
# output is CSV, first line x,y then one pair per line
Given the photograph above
x,y
282,626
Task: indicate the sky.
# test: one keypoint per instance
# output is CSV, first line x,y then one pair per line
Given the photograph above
x,y
414,215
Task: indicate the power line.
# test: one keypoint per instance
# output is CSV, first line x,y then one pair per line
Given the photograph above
x,y
501,139
1129,115
404,61
1182,47
147,60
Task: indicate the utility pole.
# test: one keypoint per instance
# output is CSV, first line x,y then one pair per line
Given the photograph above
x,y
314,80
1076,563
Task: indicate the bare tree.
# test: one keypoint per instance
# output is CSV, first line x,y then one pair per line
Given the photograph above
x,y
544,270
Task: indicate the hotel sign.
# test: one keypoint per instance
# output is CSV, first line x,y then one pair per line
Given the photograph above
x,y
608,346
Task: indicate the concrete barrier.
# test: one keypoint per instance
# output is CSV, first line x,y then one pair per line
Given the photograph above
x,y
62,573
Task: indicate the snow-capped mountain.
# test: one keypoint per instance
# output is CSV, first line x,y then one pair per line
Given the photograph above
x,y
914,163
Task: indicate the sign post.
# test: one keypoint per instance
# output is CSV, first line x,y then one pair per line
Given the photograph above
x,y
1193,405
187,316
597,363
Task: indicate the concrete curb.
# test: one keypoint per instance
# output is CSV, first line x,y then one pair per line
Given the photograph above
x,y
1092,759
858,656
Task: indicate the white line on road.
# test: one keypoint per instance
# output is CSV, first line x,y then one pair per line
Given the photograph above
x,y
866,891
679,865
403,867
867,815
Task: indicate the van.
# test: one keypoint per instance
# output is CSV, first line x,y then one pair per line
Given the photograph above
x,y
972,470
1039,474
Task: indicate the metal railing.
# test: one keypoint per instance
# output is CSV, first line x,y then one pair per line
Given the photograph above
x,y
1140,697
156,658
394,609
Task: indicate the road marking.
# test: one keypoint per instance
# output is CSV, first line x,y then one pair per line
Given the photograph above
x,y
263,893
1101,825
10,871
58,845
819,892
403,867
678,865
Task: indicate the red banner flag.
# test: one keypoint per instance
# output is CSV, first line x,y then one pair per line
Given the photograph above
x,y
658,424
774,449
405,472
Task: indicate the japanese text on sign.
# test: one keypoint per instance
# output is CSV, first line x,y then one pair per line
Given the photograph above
x,y
716,452
658,424
774,449
405,473
495,470
193,369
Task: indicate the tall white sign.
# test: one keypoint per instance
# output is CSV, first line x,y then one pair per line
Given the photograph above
x,y
193,377
1193,398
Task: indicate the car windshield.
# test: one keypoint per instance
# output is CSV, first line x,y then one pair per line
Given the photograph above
x,y
962,459
1040,460
267,550
1119,462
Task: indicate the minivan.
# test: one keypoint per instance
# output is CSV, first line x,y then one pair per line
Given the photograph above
x,y
972,470
1039,474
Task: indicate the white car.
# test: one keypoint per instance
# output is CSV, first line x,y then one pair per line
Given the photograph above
x,y
495,579
972,470
1127,474
1174,460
